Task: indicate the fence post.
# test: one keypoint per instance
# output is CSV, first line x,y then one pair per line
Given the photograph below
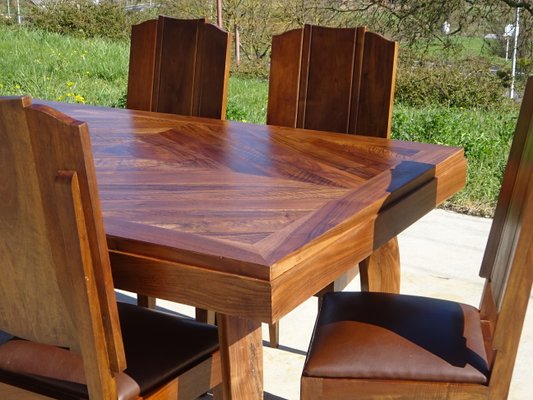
x,y
237,46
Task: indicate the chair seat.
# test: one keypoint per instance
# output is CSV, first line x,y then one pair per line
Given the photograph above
x,y
388,336
158,347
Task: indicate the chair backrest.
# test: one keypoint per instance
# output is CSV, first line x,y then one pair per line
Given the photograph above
x,y
332,79
179,67
56,285
508,261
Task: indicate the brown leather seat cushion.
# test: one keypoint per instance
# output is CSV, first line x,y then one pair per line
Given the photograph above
x,y
388,336
158,347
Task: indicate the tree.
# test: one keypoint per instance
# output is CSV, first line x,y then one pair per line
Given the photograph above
x,y
413,22
419,22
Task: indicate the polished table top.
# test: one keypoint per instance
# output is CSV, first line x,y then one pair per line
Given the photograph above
x,y
251,220
242,198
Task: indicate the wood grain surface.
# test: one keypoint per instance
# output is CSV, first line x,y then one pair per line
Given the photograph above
x,y
256,202
248,220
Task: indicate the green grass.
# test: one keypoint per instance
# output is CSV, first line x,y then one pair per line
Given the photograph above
x,y
247,100
56,67
464,47
485,136
94,71
474,47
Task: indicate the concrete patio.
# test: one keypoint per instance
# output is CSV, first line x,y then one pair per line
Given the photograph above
x,y
441,255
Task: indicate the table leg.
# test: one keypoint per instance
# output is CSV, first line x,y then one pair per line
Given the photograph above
x,y
380,272
273,333
241,353
146,301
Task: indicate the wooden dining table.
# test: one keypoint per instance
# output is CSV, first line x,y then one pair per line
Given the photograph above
x,y
251,220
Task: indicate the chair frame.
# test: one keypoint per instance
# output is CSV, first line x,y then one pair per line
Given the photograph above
x,y
162,79
508,271
356,99
179,66
56,230
361,102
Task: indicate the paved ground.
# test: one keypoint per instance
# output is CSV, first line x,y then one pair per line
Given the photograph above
x,y
440,255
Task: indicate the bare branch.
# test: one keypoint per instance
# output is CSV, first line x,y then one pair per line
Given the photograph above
x,y
526,5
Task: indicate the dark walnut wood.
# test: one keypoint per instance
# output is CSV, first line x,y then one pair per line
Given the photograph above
x,y
254,201
56,286
486,340
340,80
179,66
332,79
250,220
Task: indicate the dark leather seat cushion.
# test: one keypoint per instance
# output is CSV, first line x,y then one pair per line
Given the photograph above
x,y
158,347
388,336
161,346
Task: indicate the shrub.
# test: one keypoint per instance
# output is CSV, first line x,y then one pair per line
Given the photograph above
x,y
84,18
467,84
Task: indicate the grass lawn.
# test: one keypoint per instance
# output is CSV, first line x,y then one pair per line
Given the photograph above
x,y
485,136
61,68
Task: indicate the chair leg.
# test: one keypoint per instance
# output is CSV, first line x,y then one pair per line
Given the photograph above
x,y
338,284
146,301
342,281
218,392
273,331
192,383
380,272
206,316
310,388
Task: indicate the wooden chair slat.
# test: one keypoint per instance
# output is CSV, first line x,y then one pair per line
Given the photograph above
x,y
179,67
23,227
285,69
376,94
141,72
326,79
332,79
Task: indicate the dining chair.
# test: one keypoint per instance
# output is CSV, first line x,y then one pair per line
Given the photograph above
x,y
71,339
179,66
340,80
379,345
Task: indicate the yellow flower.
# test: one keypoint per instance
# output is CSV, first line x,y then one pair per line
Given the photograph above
x,y
70,83
59,98
17,86
79,99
